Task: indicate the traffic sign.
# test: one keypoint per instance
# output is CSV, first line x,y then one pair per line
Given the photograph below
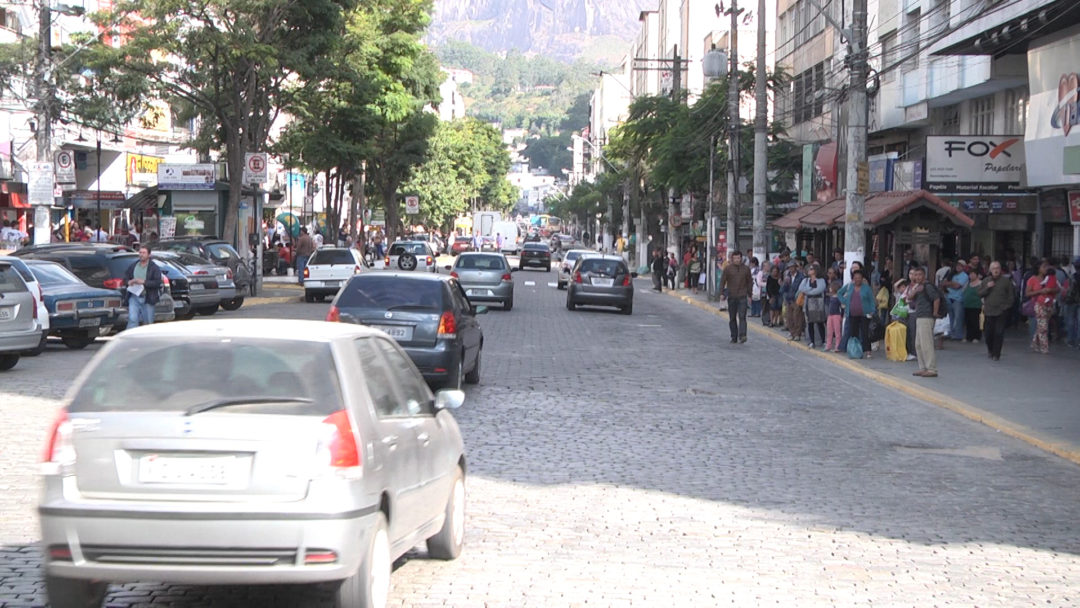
x,y
412,204
40,188
255,168
65,167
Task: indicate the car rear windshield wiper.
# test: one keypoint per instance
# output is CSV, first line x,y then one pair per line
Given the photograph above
x,y
410,307
251,400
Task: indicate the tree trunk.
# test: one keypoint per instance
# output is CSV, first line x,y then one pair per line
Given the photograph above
x,y
235,158
393,215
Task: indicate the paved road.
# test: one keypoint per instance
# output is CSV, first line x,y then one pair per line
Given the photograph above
x,y
624,461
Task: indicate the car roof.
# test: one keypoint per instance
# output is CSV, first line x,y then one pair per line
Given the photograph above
x,y
467,254
79,247
412,276
280,329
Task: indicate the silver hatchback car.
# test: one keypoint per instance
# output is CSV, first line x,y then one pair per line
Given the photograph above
x,y
19,329
485,277
317,457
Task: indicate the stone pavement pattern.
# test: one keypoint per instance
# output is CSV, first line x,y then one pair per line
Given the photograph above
x,y
643,461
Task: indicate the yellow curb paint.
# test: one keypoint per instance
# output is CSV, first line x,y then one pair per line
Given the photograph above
x,y
1017,431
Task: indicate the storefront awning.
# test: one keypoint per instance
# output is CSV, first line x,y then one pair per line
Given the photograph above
x,y
145,200
881,208
13,194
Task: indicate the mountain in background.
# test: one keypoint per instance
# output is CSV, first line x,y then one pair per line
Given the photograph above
x,y
596,30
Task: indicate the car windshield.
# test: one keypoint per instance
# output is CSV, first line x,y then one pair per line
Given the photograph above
x,y
413,248
386,292
175,374
10,281
600,266
572,256
222,251
480,262
52,274
331,256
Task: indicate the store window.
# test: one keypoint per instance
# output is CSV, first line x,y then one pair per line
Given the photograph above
x,y
1016,109
1060,240
981,119
189,223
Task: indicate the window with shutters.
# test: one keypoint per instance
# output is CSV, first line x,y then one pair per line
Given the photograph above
x,y
1016,109
981,118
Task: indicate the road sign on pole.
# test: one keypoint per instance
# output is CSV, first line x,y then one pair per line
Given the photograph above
x,y
412,205
40,188
65,167
255,168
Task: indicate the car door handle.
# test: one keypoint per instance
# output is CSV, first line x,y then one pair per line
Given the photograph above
x,y
390,441
424,438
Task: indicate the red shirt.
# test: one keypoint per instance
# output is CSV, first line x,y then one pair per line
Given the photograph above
x,y
1047,282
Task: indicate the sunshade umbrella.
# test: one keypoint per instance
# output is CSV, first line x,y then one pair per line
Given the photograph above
x,y
290,221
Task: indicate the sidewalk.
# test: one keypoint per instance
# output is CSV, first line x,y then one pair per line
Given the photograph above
x,y
1028,396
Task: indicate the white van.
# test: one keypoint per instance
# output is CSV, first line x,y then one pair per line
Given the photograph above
x,y
511,236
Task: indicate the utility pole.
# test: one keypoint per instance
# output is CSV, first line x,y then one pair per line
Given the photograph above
x,y
761,156
676,74
42,221
733,149
857,171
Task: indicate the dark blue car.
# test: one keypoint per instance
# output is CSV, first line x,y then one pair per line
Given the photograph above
x,y
77,311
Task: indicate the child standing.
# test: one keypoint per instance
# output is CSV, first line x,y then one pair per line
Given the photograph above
x,y
835,321
883,300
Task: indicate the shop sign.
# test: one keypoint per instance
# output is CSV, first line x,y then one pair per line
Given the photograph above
x,y
975,163
142,170
1053,123
91,199
186,177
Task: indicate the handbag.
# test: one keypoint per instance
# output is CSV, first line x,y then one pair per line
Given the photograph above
x,y
854,348
800,300
1028,307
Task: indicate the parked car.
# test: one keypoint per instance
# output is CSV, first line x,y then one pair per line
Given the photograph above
x,y
460,244
434,240
535,254
205,291
32,283
564,241
329,268
100,265
219,252
300,453
19,330
76,311
410,255
429,315
226,287
568,260
601,280
486,277
189,292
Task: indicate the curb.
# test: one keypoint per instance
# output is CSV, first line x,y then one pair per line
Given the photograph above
x,y
262,301
1066,451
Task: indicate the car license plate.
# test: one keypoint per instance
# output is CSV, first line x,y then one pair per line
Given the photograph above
x,y
397,332
478,292
331,283
6,312
195,286
187,470
178,304
91,322
602,282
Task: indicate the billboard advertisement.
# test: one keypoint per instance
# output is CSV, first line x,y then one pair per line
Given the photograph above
x,y
975,163
186,177
1053,124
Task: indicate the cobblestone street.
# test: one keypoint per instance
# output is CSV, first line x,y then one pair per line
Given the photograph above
x,y
644,460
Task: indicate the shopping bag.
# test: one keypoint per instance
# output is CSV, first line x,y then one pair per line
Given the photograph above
x,y
854,348
896,341
900,310
942,325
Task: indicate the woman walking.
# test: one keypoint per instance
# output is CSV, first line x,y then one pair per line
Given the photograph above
x,y
1042,287
813,290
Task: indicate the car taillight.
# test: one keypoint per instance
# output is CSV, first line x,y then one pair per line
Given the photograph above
x,y
201,272
430,261
626,280
334,316
65,306
357,269
114,303
229,274
454,274
307,272
386,261
114,283
507,277
338,448
60,450
447,326
165,281
577,277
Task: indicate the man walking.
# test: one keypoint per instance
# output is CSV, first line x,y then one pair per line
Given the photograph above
x,y
737,280
926,304
142,289
658,266
998,294
305,246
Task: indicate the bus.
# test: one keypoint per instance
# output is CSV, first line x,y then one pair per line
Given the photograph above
x,y
548,224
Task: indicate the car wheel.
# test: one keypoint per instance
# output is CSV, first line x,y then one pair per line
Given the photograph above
x,y
74,593
454,382
449,540
570,304
206,311
40,348
508,305
547,268
473,377
560,285
308,297
628,309
233,304
369,586
406,261
8,361
77,341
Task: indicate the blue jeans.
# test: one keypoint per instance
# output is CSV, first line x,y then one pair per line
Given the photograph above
x,y
737,318
301,264
140,312
755,308
1072,324
956,319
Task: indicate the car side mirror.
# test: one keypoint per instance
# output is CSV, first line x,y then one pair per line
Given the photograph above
x,y
447,399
